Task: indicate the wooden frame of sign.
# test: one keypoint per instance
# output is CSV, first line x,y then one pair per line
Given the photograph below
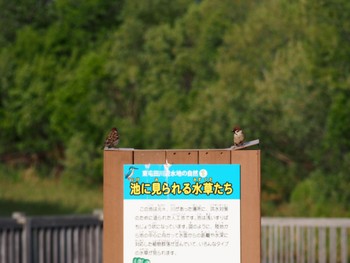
x,y
113,193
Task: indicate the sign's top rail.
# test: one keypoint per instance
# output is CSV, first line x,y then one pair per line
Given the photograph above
x,y
232,148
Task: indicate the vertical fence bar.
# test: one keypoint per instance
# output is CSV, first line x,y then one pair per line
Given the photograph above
x,y
332,245
89,244
48,245
292,240
281,244
76,245
41,243
263,244
322,245
275,244
55,247
63,245
84,244
270,255
27,250
17,248
10,245
298,245
2,246
344,245
35,244
302,245
287,244
311,245
69,245
98,236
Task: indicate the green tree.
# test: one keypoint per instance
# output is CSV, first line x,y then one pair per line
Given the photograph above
x,y
18,14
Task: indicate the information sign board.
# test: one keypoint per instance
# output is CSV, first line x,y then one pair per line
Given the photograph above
x,y
182,213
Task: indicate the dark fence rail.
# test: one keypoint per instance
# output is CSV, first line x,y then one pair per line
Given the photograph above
x,y
56,239
78,239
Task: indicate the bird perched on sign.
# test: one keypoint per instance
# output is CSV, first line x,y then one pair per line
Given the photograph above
x,y
130,173
238,136
112,139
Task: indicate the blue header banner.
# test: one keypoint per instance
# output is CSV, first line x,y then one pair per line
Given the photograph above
x,y
182,181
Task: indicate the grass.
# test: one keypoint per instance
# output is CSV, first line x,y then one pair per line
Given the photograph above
x,y
26,192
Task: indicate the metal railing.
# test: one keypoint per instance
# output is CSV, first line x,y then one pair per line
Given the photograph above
x,y
305,240
54,239
73,239
10,241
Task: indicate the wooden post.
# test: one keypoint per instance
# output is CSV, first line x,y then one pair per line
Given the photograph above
x,y
114,160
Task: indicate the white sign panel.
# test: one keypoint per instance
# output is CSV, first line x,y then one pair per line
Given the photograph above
x,y
182,213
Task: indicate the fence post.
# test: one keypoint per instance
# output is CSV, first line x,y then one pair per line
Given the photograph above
x,y
26,235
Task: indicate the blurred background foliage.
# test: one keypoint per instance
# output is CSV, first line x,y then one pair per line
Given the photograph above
x,y
180,74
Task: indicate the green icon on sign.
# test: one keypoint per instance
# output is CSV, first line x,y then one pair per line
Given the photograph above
x,y
141,260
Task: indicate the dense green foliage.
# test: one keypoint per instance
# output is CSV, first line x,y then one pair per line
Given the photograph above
x,y
180,74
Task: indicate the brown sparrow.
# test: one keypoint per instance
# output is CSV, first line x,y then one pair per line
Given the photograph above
x,y
112,139
238,136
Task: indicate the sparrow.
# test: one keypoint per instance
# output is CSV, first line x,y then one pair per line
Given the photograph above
x,y
112,139
130,173
238,136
